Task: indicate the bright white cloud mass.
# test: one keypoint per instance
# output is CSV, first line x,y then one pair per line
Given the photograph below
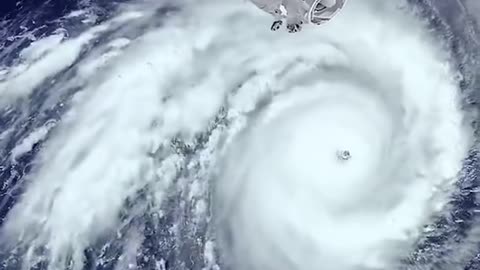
x,y
373,81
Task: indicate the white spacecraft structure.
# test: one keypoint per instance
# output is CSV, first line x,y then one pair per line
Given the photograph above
x,y
321,11
298,12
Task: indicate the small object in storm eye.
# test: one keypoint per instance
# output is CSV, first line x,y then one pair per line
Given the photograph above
x,y
344,155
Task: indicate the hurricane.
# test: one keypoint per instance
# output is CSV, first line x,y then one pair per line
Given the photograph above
x,y
188,135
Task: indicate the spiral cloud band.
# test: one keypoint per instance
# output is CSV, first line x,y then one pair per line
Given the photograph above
x,y
377,88
327,149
